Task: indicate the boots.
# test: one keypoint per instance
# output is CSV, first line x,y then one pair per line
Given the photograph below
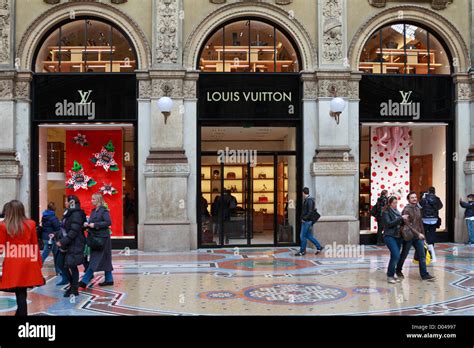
x,y
72,290
432,252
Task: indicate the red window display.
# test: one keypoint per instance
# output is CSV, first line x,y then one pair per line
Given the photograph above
x,y
94,164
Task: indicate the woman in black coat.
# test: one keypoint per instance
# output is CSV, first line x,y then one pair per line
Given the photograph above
x,y
71,243
100,260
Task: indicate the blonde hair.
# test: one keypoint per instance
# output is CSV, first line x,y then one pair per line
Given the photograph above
x,y
100,199
14,218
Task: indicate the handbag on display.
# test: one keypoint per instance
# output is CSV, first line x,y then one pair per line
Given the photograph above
x,y
262,176
263,199
231,175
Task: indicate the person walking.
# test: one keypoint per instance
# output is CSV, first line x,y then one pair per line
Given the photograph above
x,y
50,228
100,258
309,206
431,205
71,242
469,216
392,221
414,223
22,269
377,212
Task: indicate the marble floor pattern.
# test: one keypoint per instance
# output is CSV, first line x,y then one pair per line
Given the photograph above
x,y
263,281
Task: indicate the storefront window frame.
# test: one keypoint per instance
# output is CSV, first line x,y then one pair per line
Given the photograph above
x,y
275,26
429,32
59,26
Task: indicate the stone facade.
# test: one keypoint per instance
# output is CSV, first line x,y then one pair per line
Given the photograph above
x,y
168,35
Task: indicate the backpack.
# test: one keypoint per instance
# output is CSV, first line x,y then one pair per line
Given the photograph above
x,y
375,211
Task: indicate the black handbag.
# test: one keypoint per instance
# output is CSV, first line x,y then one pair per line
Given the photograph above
x,y
95,242
314,216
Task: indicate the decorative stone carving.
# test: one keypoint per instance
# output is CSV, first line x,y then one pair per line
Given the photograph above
x,y
333,161
22,90
217,1
166,170
283,2
353,89
189,89
332,88
6,89
167,32
332,40
118,2
170,88
52,2
12,170
310,90
463,91
5,31
144,89
435,4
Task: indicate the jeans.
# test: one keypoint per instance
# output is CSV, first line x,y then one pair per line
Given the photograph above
x,y
46,251
470,230
21,304
89,274
307,233
418,244
393,244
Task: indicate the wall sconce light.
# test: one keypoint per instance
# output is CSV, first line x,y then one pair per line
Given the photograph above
x,y
336,107
165,104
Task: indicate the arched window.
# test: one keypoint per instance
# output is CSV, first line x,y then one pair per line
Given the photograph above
x,y
85,45
404,48
248,45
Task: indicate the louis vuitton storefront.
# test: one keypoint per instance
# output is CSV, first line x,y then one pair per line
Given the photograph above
x,y
406,114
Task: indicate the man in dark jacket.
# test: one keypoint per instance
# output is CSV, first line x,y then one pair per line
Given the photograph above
x,y
71,243
469,216
50,228
380,205
431,205
306,224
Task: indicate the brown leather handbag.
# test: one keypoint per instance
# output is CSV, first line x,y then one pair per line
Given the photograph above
x,y
407,232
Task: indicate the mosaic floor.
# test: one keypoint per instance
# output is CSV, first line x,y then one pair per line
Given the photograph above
x,y
263,281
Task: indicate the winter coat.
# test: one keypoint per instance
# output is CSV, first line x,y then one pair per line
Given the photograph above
x,y
24,271
101,219
392,220
431,204
74,241
101,260
308,206
469,206
414,218
50,224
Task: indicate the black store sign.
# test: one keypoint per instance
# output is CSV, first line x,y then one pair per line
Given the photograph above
x,y
406,98
249,96
84,97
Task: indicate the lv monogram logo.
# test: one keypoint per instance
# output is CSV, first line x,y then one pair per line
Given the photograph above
x,y
85,96
405,97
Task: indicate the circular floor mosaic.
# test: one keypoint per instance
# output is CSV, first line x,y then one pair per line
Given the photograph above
x,y
293,293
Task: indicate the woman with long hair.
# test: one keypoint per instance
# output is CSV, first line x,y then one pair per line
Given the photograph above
x,y
392,222
101,255
71,243
22,263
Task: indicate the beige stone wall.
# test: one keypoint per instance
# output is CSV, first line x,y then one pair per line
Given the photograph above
x,y
359,11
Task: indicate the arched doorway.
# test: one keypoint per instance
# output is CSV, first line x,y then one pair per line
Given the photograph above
x,y
84,121
249,142
406,114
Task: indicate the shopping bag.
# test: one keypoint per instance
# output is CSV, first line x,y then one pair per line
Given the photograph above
x,y
427,255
